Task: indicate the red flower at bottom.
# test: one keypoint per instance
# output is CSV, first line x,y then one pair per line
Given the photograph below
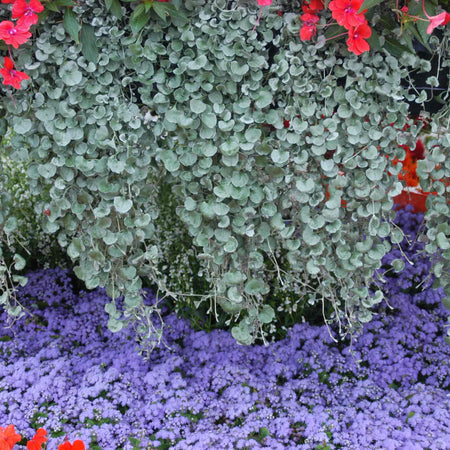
x,y
77,445
309,28
37,441
8,437
10,75
356,36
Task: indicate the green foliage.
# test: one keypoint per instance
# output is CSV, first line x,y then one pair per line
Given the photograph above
x,y
199,106
28,240
11,261
434,174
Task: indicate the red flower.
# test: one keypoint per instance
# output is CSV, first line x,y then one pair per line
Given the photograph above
x,y
264,2
356,36
8,1
11,76
441,19
8,437
47,212
77,445
309,28
37,441
14,34
346,12
26,12
313,6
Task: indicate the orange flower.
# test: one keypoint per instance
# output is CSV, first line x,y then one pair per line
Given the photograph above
x,y
8,437
37,441
408,173
77,445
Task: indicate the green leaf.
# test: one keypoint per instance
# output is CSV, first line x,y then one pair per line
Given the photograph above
x,y
148,5
48,7
334,30
133,300
231,245
114,325
70,74
10,225
242,334
267,314
19,262
115,8
252,134
374,40
234,277
397,236
173,12
139,19
398,265
23,126
122,205
442,241
234,295
75,248
160,9
264,99
395,49
197,106
255,286
312,267
89,43
71,24
369,4
210,121
61,3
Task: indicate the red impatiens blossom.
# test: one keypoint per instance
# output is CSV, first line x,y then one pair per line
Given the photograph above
x,y
11,76
77,445
345,12
8,1
356,36
312,6
309,28
264,2
14,34
441,19
8,437
37,441
25,12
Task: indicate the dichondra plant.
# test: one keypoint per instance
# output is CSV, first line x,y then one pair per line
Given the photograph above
x,y
277,153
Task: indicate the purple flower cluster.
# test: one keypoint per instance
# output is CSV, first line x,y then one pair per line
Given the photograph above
x,y
63,370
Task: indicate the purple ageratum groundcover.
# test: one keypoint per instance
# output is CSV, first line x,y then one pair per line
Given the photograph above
x,y
66,372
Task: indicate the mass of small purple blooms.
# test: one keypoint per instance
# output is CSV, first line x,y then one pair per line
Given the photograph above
x,y
63,370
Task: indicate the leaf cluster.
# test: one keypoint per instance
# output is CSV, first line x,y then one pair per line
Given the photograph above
x,y
276,152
